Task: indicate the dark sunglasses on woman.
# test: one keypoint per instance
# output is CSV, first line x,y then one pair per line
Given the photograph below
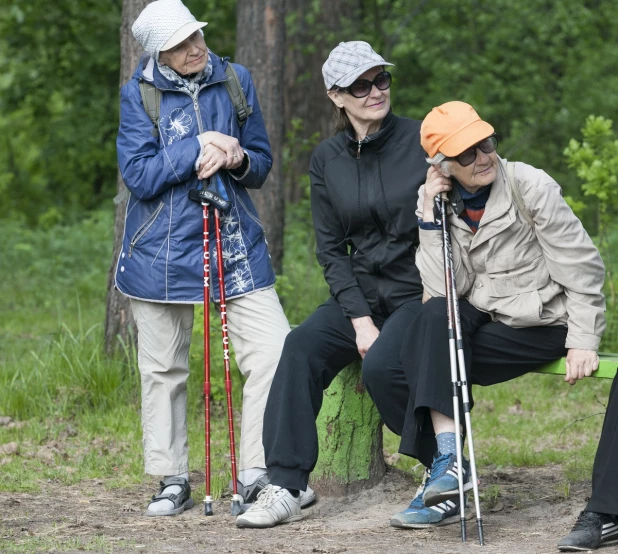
x,y
468,156
362,87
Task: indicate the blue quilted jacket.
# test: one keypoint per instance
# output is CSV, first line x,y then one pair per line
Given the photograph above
x,y
162,249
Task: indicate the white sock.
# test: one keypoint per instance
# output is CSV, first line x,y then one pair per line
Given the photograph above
x,y
249,476
166,505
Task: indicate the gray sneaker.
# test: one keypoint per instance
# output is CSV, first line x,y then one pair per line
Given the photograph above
x,y
272,506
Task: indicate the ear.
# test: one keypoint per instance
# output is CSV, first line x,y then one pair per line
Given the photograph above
x,y
336,97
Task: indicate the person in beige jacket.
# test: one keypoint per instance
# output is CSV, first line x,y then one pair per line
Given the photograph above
x,y
528,276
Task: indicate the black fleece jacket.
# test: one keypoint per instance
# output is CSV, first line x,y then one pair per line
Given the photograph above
x,y
363,202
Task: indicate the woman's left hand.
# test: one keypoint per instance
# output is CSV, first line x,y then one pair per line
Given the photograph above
x,y
213,159
580,364
366,333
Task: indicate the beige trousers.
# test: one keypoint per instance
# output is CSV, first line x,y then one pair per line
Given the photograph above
x,y
257,328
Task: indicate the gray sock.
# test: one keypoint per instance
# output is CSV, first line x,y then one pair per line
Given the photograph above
x,y
446,443
165,505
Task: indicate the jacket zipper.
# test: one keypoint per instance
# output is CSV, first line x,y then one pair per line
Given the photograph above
x,y
144,228
196,107
360,143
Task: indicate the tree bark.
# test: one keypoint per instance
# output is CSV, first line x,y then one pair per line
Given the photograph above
x,y
350,438
314,29
260,46
119,323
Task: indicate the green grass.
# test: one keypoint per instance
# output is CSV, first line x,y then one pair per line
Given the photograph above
x,y
28,544
78,411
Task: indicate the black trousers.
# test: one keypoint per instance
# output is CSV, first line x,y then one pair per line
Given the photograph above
x,y
313,354
604,497
494,353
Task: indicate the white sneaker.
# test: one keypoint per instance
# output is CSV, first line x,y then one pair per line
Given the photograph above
x,y
307,497
273,505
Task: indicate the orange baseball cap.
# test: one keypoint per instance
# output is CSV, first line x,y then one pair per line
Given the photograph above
x,y
452,128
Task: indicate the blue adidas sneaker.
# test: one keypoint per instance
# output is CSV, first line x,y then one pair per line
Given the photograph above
x,y
419,516
442,484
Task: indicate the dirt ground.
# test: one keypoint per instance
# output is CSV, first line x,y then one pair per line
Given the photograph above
x,y
529,515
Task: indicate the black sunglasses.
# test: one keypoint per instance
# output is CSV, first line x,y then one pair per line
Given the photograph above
x,y
468,156
362,87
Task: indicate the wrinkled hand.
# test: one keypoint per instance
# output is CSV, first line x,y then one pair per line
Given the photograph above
x,y
435,184
366,334
580,364
213,159
229,145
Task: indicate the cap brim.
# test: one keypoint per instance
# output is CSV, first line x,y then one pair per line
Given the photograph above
x,y
183,33
466,137
349,78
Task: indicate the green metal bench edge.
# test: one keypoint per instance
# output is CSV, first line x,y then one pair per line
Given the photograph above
x,y
608,365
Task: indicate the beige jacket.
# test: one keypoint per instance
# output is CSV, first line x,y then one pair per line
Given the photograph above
x,y
524,277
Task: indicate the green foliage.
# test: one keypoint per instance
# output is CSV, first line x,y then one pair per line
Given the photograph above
x,y
59,102
595,161
533,69
58,97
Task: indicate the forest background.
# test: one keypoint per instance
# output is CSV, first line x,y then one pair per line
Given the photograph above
x,y
543,72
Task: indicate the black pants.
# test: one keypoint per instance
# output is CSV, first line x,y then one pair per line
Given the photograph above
x,y
313,354
604,497
494,353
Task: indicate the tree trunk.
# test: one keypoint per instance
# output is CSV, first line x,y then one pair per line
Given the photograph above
x,y
119,322
314,29
260,46
350,437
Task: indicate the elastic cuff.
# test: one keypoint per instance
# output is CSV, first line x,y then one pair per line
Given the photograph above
x,y
245,172
289,477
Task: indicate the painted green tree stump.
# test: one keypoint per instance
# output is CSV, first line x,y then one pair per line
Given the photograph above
x,y
350,438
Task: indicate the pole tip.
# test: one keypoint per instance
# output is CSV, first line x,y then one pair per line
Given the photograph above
x,y
236,509
208,509
479,525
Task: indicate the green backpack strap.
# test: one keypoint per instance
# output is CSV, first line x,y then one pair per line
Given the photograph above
x,y
239,100
151,98
510,173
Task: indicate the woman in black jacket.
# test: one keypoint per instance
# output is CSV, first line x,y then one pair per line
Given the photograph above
x,y
364,189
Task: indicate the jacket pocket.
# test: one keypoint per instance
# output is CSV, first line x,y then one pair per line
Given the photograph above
x,y
248,212
144,227
516,272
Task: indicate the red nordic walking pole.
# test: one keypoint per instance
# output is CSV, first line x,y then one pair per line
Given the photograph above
x,y
206,197
236,498
208,500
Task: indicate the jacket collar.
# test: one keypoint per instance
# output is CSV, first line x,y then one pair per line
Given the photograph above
x,y
148,71
375,141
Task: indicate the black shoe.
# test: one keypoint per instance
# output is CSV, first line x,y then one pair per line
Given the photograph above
x,y
590,531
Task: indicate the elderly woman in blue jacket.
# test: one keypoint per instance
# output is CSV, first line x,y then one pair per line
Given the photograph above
x,y
161,263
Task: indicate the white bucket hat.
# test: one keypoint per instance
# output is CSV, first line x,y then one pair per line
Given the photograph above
x,y
164,24
348,61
